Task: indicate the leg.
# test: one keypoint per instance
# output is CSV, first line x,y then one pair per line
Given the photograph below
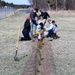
x,y
34,29
31,32
44,22
50,33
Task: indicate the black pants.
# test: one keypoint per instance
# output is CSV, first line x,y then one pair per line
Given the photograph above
x,y
26,35
50,33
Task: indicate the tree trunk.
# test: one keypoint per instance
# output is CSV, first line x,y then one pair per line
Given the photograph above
x,y
73,4
56,5
40,3
64,4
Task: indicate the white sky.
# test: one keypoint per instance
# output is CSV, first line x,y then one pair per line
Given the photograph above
x,y
25,2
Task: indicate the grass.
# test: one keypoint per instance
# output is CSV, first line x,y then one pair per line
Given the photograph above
x,y
39,55
8,38
63,48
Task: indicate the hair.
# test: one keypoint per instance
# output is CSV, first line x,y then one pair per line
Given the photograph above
x,y
41,25
49,19
36,9
53,21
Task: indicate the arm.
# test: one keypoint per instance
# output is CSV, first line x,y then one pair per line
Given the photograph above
x,y
50,27
32,16
48,15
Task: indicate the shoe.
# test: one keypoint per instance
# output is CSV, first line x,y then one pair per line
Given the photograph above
x,y
50,39
39,40
57,36
33,39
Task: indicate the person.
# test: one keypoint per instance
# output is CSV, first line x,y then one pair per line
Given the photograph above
x,y
44,15
39,31
52,30
34,23
26,30
55,30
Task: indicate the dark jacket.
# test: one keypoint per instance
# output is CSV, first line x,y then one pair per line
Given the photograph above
x,y
27,26
26,29
32,16
44,15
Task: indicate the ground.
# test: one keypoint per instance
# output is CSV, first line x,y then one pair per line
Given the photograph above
x,y
62,49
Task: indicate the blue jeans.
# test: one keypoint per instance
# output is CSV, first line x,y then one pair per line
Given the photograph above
x,y
33,30
50,33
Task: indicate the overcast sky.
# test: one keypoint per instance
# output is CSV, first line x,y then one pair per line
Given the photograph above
x,y
25,2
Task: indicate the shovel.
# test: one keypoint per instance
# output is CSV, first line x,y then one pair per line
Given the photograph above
x,y
17,44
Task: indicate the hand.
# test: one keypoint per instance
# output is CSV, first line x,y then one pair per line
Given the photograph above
x,y
46,30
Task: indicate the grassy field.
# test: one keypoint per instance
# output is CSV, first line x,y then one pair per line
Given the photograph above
x,y
64,48
8,38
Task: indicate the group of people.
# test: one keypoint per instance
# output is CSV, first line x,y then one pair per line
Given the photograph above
x,y
34,25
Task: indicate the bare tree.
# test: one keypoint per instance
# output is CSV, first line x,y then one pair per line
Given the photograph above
x,y
40,3
64,4
48,1
56,4
30,1
73,4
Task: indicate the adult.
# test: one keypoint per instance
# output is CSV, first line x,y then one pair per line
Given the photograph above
x,y
44,15
34,23
26,30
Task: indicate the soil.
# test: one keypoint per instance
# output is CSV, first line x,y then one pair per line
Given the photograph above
x,y
47,66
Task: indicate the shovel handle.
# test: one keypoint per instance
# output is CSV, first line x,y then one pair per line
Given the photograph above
x,y
18,37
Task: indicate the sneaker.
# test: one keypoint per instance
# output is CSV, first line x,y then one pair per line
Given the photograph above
x,y
50,39
39,40
33,39
57,36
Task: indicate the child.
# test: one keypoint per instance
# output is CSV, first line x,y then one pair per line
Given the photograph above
x,y
39,30
55,30
52,30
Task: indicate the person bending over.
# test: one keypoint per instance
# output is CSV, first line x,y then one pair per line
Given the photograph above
x,y
34,23
44,16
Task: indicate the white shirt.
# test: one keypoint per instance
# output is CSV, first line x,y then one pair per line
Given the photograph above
x,y
50,27
55,29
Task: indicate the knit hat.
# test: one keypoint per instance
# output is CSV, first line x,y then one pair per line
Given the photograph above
x,y
28,18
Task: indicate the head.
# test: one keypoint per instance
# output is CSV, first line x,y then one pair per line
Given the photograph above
x,y
41,24
49,21
42,11
36,10
28,18
53,22
39,21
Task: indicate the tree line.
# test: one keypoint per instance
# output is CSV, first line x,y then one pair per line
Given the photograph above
x,y
3,3
55,4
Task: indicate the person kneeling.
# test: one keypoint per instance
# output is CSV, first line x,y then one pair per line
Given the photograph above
x,y
26,30
52,32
